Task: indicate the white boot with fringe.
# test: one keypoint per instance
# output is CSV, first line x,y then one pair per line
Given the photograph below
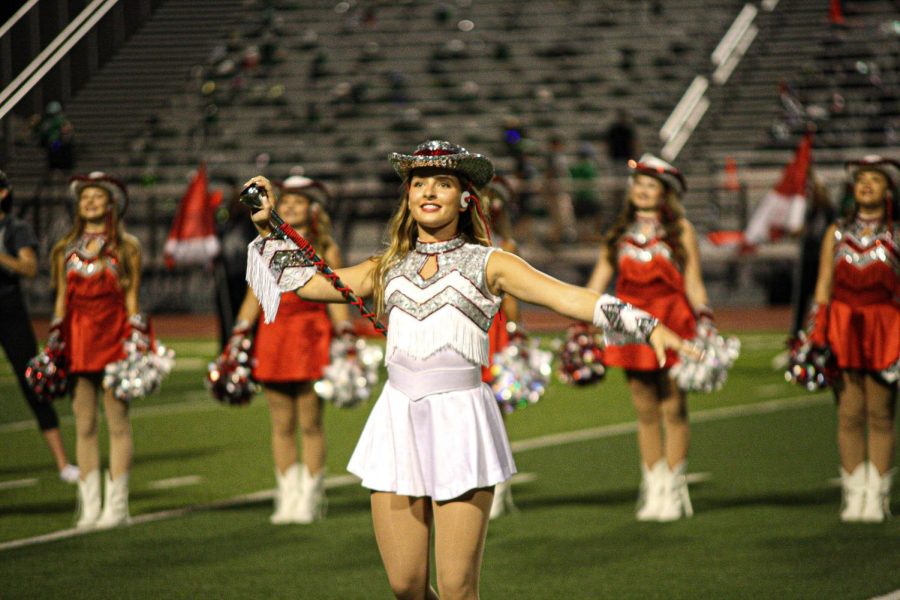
x,y
115,503
853,486
287,496
311,504
676,500
88,512
877,505
502,504
653,484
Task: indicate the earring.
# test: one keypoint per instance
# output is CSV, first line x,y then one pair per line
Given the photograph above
x,y
464,200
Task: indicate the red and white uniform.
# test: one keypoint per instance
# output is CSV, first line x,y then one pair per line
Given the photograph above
x,y
96,322
295,346
863,325
649,279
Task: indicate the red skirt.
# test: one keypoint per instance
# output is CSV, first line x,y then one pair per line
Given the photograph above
x,y
668,305
498,339
863,326
96,322
294,347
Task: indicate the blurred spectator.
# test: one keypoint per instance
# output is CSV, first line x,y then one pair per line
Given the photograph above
x,y
621,141
555,192
18,258
317,67
820,213
57,135
585,192
621,146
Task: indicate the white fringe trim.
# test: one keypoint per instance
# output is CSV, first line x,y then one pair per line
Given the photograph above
x,y
263,283
267,288
445,328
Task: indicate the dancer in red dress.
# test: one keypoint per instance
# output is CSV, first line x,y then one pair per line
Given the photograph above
x,y
857,314
654,252
97,270
288,370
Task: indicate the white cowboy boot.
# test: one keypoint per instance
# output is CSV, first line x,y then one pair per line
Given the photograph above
x,y
854,488
676,500
502,503
311,504
88,501
115,503
653,484
287,496
877,504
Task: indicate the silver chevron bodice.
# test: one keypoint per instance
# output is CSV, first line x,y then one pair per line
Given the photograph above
x,y
451,309
860,249
643,248
88,263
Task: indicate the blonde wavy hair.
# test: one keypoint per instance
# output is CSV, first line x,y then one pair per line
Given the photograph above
x,y
403,233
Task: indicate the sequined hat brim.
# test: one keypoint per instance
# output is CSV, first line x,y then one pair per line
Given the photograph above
x,y
476,167
669,179
116,192
887,168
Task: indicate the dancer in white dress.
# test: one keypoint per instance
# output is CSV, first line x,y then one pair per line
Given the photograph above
x,y
434,446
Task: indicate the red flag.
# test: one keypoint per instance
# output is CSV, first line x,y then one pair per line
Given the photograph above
x,y
192,239
835,12
784,208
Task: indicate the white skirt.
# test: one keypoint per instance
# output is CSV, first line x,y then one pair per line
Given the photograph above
x,y
440,445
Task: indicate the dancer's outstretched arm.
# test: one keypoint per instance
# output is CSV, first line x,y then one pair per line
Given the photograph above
x,y
507,273
317,289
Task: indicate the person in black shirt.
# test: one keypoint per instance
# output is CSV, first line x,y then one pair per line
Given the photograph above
x,y
18,259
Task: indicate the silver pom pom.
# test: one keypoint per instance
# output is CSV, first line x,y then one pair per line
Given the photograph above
x,y
142,370
520,373
353,373
709,372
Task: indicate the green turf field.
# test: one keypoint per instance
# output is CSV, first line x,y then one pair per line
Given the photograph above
x,y
766,522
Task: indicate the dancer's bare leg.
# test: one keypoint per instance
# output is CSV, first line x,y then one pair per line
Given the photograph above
x,y
402,530
312,431
851,420
283,411
121,447
84,407
673,405
460,527
644,396
55,443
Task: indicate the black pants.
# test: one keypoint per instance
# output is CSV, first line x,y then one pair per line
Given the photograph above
x,y
19,344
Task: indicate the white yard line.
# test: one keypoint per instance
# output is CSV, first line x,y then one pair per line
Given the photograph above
x,y
712,414
13,484
195,402
174,482
895,595
558,439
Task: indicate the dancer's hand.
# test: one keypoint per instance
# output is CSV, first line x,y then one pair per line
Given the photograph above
x,y
261,217
662,338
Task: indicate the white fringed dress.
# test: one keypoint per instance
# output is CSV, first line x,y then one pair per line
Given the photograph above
x,y
436,430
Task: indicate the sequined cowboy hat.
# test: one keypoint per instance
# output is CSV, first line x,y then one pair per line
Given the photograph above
x,y
113,186
444,155
659,169
304,186
888,167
